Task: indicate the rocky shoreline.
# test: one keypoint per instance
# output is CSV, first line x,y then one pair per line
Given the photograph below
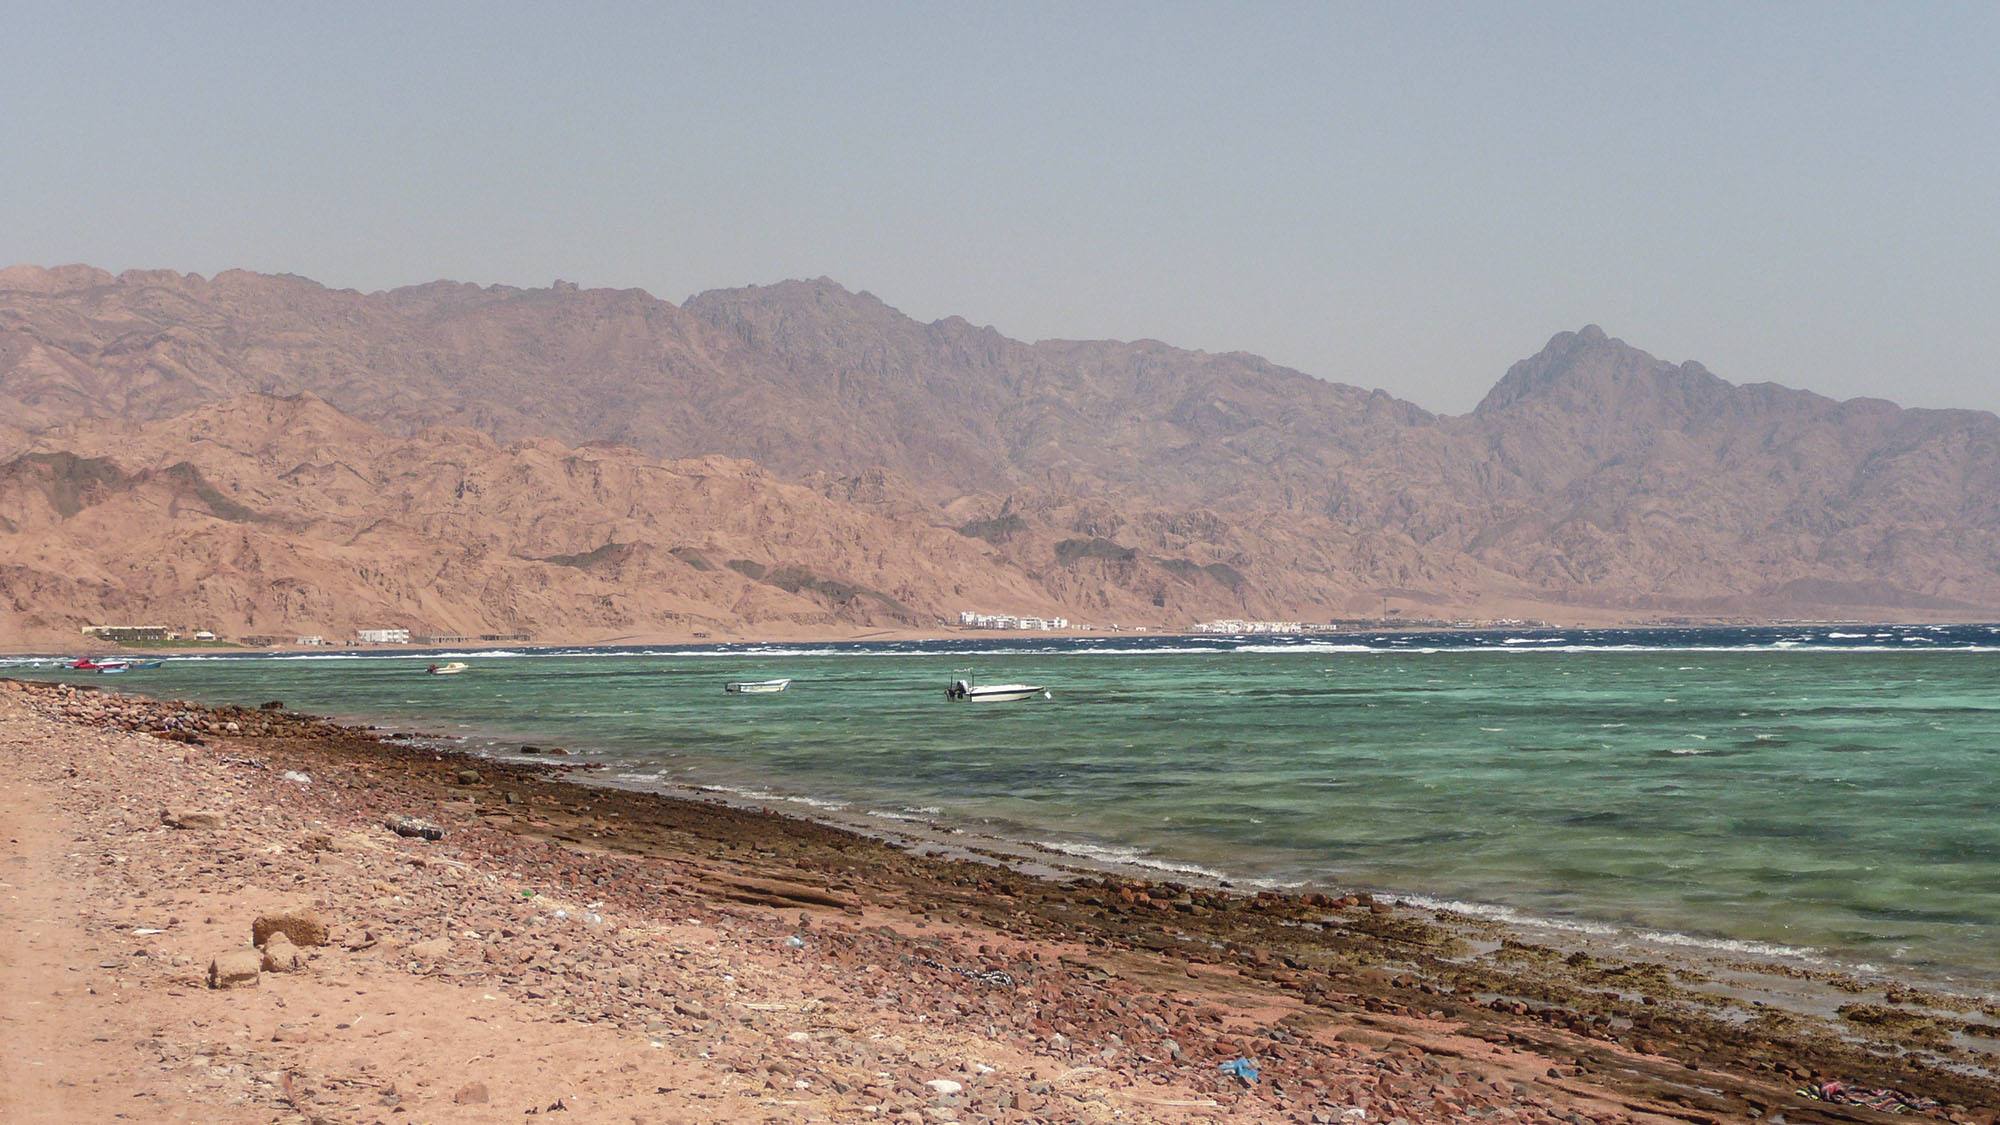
x,y
631,956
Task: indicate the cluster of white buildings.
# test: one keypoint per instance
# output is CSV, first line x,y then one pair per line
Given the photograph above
x,y
1234,627
971,620
382,636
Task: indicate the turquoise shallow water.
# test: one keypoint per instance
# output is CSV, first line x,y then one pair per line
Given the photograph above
x,y
1840,802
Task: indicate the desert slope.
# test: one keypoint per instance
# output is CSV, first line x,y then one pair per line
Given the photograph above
x,y
914,469
800,377
280,515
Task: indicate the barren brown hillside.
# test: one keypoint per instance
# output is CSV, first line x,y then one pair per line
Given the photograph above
x,y
901,471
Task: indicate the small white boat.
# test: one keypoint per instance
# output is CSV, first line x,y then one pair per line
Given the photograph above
x,y
756,687
968,690
451,669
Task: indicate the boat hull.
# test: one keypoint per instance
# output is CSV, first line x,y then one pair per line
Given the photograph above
x,y
758,687
1009,694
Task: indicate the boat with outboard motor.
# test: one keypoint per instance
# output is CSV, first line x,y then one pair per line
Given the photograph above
x,y
968,690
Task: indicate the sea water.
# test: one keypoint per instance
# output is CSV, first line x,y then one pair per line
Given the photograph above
x,y
1818,792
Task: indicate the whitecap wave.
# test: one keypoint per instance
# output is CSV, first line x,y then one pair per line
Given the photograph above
x,y
1309,646
1509,915
767,796
1127,857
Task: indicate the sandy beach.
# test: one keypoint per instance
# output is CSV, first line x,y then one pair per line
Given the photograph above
x,y
564,948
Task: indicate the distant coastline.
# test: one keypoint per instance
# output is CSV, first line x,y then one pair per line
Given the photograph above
x,y
692,641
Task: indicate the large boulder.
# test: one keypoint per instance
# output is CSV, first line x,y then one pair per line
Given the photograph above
x,y
237,968
280,955
301,927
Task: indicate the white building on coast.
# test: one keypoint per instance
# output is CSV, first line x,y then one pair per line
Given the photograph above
x,y
1234,627
971,620
382,636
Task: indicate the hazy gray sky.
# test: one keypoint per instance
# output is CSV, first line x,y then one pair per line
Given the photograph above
x,y
1401,195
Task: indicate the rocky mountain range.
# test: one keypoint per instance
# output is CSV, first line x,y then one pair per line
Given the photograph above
x,y
269,455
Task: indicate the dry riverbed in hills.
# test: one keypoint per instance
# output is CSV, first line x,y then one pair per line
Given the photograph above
x,y
619,956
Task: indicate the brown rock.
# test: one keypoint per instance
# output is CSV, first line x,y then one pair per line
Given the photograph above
x,y
190,820
435,949
281,956
301,927
414,827
237,968
781,893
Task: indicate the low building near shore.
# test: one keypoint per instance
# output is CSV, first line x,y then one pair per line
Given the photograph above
x,y
1231,626
132,632
971,620
382,636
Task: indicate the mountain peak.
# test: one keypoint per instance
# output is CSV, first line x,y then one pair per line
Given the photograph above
x,y
794,292
1590,370
819,314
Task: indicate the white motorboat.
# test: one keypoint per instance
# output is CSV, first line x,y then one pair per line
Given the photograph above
x,y
451,669
968,690
756,687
